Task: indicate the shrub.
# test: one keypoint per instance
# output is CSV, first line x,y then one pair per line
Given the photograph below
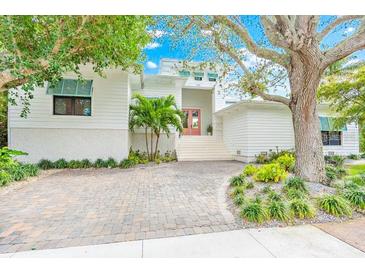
x,y
296,183
335,160
278,211
7,155
301,209
293,193
286,161
267,189
238,190
276,154
356,197
86,163
60,163
30,170
249,185
127,163
270,173
45,164
334,173
111,163
362,155
262,158
254,211
5,178
354,156
75,164
17,173
274,196
239,199
249,170
237,180
99,163
335,205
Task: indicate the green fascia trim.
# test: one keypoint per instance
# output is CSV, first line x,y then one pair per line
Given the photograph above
x,y
327,124
199,74
184,73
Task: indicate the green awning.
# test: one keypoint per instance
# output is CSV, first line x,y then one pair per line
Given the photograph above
x,y
328,124
199,74
71,87
184,73
212,75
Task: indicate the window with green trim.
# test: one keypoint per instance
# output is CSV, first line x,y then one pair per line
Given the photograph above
x,y
71,87
198,76
184,73
212,77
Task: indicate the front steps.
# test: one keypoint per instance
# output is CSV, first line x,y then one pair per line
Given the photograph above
x,y
201,148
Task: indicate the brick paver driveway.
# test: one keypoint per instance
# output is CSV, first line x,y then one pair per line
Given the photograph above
x,y
83,207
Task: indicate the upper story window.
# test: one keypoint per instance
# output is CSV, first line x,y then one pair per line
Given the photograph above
x,y
212,77
198,76
184,73
71,97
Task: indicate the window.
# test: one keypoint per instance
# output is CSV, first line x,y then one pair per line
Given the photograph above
x,y
71,105
184,73
331,138
198,76
212,77
71,97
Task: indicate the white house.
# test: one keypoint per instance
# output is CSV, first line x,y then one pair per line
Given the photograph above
x,y
78,120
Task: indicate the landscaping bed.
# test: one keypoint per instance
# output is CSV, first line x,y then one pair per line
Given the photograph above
x,y
265,195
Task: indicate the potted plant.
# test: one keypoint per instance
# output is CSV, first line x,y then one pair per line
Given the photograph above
x,y
210,130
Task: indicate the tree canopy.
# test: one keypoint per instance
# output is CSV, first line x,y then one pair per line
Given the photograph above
x,y
35,49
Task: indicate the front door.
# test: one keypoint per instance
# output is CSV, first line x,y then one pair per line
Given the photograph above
x,y
191,121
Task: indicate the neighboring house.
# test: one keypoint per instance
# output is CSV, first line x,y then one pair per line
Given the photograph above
x,y
89,119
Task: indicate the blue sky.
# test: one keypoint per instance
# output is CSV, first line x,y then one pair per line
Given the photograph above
x,y
161,47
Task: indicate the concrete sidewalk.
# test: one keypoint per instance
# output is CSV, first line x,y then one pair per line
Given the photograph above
x,y
299,241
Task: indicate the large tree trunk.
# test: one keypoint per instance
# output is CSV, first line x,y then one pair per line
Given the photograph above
x,y
304,80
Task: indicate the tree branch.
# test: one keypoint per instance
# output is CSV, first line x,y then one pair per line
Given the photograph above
x,y
335,23
250,44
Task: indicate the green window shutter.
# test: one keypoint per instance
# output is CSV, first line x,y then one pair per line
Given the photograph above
x,y
199,74
71,87
184,73
328,124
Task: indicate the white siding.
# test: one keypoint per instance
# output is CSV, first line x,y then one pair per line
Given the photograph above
x,y
256,128
109,106
101,135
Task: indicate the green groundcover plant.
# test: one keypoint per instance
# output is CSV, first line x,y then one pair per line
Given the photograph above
x,y
335,205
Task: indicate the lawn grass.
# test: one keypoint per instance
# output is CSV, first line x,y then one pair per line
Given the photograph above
x,y
355,169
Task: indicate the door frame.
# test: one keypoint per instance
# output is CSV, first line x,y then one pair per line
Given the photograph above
x,y
189,129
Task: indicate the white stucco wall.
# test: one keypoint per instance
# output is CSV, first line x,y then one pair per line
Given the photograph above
x,y
104,133
254,128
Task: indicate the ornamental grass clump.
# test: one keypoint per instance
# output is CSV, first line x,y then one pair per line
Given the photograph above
x,y
296,183
239,199
270,173
111,163
60,164
45,164
237,180
254,211
335,205
249,170
277,210
301,208
293,193
358,179
274,196
238,190
99,163
356,197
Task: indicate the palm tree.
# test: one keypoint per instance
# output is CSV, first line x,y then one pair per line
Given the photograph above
x,y
157,115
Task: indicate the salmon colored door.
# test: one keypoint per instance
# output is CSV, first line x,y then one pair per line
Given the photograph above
x,y
191,121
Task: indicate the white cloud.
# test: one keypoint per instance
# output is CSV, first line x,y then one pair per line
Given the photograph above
x,y
206,32
352,62
349,30
151,65
153,45
157,33
250,59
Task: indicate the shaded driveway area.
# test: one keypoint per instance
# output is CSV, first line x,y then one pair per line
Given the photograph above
x,y
97,206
